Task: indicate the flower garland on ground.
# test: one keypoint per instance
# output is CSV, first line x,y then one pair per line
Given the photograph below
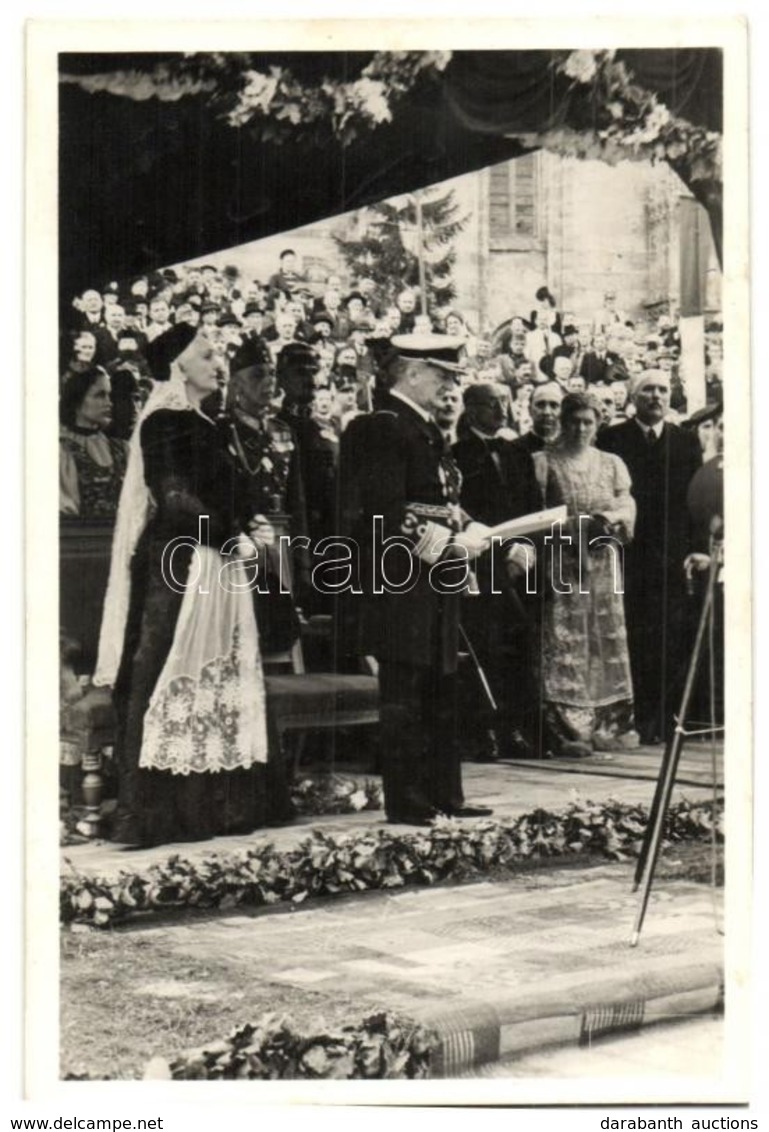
x,y
380,1047
325,865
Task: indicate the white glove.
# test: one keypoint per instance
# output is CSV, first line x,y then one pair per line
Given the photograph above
x,y
474,539
696,563
520,558
261,531
245,547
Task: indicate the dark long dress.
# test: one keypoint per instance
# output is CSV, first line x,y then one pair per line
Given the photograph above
x,y
189,475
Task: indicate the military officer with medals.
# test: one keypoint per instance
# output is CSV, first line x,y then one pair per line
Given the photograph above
x,y
265,451
399,494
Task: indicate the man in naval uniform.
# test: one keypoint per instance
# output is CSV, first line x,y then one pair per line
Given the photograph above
x,y
399,489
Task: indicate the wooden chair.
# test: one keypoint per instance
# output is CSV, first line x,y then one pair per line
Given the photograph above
x,y
299,701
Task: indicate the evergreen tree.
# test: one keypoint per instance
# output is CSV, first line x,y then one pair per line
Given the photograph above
x,y
383,254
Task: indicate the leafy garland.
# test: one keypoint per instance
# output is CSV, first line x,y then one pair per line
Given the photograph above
x,y
326,865
607,114
381,1046
283,108
275,104
612,118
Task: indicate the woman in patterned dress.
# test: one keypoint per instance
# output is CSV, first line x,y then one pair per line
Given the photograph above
x,y
586,685
91,464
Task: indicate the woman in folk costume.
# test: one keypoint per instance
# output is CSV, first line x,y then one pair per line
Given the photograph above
x,y
178,639
587,690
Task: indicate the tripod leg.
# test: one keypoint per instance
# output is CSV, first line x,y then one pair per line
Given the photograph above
x,y
654,810
666,780
655,839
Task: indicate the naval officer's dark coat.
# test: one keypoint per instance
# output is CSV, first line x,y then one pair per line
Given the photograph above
x,y
395,467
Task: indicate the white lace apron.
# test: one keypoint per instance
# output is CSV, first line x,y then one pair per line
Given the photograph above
x,y
207,712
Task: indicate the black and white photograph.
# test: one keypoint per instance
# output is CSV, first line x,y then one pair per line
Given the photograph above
x,y
383,614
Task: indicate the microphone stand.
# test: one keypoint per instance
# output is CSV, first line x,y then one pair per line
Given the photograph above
x,y
647,860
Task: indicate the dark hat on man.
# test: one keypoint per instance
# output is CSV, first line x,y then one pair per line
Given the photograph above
x,y
353,295
169,275
323,316
345,376
252,354
570,328
252,308
208,307
110,289
296,355
167,347
543,294
435,349
127,342
295,372
227,318
382,351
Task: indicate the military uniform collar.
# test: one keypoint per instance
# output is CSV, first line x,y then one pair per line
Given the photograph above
x,y
412,405
259,423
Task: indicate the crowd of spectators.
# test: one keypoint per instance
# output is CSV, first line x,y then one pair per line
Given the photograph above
x,y
110,329
299,359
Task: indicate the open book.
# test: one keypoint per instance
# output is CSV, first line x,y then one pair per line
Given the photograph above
x,y
529,524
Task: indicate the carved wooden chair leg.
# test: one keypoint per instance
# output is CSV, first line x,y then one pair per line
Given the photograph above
x,y
93,791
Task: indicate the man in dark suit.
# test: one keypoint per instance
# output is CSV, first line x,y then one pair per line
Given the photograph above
x,y
545,412
498,483
398,482
600,363
661,459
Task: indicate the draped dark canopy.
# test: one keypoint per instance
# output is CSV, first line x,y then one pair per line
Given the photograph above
x,y
149,182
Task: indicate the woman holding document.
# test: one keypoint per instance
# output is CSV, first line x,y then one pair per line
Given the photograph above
x,y
585,671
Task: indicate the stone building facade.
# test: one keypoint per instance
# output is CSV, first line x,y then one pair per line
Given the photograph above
x,y
576,226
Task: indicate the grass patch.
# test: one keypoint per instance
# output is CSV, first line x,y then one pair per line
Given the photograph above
x,y
127,997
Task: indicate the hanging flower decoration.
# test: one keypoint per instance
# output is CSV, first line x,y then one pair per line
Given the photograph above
x,y
273,103
610,117
162,83
279,107
581,65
